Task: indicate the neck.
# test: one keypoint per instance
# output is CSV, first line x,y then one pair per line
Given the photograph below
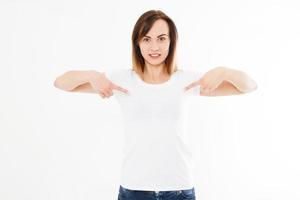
x,y
155,73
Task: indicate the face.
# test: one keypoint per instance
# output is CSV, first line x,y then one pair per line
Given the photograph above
x,y
155,44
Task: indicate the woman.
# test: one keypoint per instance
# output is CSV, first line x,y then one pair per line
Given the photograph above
x,y
157,163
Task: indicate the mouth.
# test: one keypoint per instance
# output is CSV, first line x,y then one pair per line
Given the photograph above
x,y
155,55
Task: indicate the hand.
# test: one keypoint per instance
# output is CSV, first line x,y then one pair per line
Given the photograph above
x,y
210,80
103,85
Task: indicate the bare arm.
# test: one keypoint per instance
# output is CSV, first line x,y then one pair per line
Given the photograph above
x,y
224,89
228,82
223,81
90,81
76,81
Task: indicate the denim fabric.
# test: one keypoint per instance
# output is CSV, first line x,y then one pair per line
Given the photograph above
x,y
127,194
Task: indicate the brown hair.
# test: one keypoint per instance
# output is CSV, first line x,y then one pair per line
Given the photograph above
x,y
141,28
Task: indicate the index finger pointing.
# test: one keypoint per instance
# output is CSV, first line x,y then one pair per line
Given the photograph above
x,y
120,89
194,84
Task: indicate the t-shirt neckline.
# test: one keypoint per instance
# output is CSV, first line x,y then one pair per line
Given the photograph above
x,y
155,85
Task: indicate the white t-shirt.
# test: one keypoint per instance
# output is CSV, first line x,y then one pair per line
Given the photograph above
x,y
156,156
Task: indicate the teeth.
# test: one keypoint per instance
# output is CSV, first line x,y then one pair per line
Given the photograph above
x,y
154,55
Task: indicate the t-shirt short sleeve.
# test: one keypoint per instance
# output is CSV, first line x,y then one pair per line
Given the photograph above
x,y
190,77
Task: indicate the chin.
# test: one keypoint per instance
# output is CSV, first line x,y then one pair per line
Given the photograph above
x,y
157,63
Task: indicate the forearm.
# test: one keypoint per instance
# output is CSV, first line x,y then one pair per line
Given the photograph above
x,y
72,79
240,80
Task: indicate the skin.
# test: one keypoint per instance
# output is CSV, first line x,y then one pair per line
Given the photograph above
x,y
155,41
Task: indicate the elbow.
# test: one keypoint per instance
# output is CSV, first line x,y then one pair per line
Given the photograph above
x,y
251,86
255,86
56,83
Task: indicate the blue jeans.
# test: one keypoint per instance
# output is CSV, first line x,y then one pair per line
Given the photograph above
x,y
127,194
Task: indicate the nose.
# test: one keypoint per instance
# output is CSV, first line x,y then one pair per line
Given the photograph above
x,y
154,46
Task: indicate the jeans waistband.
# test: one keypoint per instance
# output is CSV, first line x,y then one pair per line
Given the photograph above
x,y
192,190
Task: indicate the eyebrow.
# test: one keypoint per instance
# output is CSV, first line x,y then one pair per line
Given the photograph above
x,y
157,36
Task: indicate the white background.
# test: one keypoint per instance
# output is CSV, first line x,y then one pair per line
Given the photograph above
x,y
57,145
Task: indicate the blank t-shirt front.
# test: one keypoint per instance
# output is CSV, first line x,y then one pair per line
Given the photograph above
x,y
156,156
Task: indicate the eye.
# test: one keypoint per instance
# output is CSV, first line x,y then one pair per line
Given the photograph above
x,y
162,38
146,39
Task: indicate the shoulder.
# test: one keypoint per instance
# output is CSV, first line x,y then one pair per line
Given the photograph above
x,y
120,76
